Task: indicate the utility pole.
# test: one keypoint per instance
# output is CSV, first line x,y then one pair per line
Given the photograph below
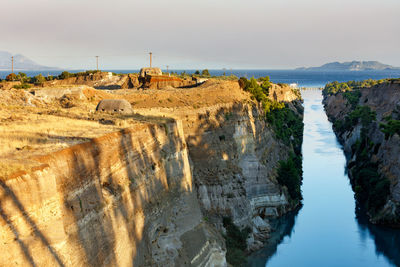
x,y
167,70
97,62
151,54
12,64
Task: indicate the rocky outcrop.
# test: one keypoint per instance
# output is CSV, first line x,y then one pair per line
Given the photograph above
x,y
131,81
163,81
381,152
283,93
235,156
99,80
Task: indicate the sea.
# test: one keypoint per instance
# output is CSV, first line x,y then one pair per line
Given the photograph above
x,y
304,78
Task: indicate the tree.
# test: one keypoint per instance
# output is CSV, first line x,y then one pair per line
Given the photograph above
x,y
39,79
11,77
266,84
22,77
197,72
64,75
242,82
205,72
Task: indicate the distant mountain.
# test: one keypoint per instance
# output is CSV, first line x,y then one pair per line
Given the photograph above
x,y
353,66
20,63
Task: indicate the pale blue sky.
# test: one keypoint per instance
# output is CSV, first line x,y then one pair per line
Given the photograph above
x,y
200,34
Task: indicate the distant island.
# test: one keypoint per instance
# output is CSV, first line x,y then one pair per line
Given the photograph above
x,y
352,66
20,62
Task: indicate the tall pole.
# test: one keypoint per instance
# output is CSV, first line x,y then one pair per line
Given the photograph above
x,y
12,64
97,62
151,54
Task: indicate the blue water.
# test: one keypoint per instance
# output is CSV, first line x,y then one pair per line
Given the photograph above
x,y
328,230
301,77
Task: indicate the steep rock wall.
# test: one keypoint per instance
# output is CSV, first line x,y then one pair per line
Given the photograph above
x,y
383,99
235,155
120,200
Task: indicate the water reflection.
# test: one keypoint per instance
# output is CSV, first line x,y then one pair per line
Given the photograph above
x,y
283,227
387,240
327,231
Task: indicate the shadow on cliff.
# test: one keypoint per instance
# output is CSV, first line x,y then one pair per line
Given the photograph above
x,y
112,206
217,143
110,188
210,140
7,192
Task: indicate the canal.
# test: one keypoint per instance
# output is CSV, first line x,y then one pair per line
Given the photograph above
x,y
329,230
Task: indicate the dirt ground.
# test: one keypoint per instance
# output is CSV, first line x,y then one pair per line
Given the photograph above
x,y
31,125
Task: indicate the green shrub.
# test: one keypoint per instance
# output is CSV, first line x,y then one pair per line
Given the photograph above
x,y
362,114
336,87
39,79
370,187
22,86
65,75
390,128
235,240
352,97
288,126
290,175
205,72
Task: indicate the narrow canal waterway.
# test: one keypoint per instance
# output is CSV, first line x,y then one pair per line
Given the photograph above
x,y
327,231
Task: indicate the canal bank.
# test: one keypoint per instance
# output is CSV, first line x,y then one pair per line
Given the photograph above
x,y
328,230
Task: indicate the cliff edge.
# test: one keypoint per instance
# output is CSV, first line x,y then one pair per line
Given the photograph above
x,y
365,118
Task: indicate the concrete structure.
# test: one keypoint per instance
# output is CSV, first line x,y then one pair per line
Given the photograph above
x,y
149,71
114,106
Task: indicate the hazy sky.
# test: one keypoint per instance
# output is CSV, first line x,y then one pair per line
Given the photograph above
x,y
201,34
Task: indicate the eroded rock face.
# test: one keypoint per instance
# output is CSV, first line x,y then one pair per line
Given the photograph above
x,y
124,199
235,155
384,99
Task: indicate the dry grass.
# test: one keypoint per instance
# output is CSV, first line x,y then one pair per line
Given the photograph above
x,y
31,126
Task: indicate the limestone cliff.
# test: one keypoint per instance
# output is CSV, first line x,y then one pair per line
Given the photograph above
x,y
153,194
120,200
235,155
358,117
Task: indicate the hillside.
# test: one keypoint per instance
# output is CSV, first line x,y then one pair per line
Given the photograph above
x,y
20,62
351,66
